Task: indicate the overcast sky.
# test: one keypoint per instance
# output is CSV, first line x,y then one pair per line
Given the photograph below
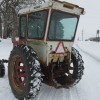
x,y
90,22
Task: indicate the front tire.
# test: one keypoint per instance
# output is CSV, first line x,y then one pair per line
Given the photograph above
x,y
24,72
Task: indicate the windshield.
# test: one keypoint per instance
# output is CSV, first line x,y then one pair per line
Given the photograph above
x,y
62,26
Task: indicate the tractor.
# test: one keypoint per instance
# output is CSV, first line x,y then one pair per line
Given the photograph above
x,y
44,52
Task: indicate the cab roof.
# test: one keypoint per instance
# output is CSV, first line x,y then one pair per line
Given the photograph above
x,y
58,5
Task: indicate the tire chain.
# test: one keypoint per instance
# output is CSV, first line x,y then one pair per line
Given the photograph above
x,y
78,58
35,71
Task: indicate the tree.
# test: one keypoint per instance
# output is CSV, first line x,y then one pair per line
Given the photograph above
x,y
9,10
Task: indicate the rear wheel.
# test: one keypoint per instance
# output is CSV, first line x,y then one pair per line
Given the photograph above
x,y
2,69
24,72
71,73
77,66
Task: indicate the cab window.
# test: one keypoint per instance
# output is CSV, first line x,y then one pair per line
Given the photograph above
x,y
22,27
36,24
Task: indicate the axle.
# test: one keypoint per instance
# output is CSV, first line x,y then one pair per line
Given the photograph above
x,y
56,75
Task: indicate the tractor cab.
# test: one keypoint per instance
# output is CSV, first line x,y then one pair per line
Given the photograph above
x,y
50,29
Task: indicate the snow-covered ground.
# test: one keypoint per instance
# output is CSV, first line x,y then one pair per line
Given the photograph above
x,y
87,89
91,48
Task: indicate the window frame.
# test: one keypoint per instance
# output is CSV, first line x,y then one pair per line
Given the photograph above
x,y
44,25
24,15
53,10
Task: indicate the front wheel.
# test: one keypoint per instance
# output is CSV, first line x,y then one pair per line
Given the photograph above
x,y
24,72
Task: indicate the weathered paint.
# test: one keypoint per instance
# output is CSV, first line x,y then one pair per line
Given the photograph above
x,y
40,48
47,24
46,54
55,5
67,46
15,43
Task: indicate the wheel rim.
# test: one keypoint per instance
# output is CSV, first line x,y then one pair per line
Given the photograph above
x,y
70,72
71,68
17,73
21,72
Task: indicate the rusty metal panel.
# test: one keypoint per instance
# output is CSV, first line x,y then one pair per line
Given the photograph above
x,y
54,56
40,48
60,6
15,43
46,54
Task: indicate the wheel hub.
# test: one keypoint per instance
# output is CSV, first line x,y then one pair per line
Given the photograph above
x,y
21,73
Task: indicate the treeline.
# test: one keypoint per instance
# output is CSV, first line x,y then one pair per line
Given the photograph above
x,y
9,16
96,39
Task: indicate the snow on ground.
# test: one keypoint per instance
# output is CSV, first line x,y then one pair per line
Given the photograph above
x,y
87,89
5,48
92,48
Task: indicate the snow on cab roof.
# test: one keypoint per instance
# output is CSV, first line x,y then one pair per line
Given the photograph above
x,y
33,8
54,4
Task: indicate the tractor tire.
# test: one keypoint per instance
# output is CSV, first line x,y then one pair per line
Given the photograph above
x,y
78,65
2,69
24,72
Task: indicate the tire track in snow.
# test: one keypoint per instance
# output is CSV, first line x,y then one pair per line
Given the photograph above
x,y
58,95
94,83
92,76
74,93
5,93
80,92
81,87
49,93
43,93
66,94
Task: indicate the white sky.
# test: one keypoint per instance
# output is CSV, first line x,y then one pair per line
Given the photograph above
x,y
90,22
